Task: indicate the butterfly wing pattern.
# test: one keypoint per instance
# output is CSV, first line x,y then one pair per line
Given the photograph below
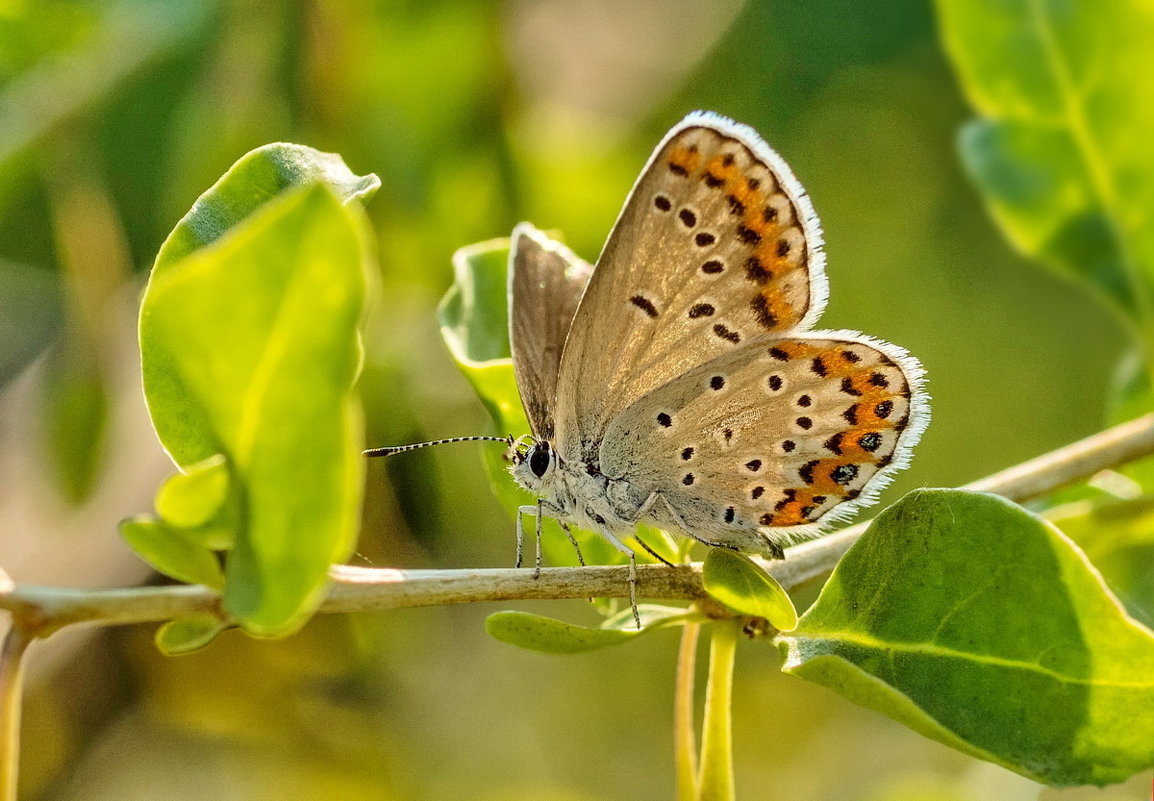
x,y
691,374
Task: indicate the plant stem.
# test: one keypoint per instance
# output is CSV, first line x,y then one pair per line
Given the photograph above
x,y
684,745
43,609
716,778
12,652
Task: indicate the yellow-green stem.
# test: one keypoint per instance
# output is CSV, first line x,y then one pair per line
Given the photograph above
x,y
11,694
716,777
684,741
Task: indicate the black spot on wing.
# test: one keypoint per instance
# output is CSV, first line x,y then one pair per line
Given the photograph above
x,y
643,303
726,333
757,272
806,471
748,235
762,314
844,473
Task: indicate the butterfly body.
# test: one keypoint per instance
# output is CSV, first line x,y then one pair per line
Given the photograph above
x,y
680,383
579,493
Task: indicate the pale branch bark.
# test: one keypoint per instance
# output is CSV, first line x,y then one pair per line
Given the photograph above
x,y
41,610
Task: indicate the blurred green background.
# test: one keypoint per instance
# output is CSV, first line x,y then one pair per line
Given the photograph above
x,y
476,115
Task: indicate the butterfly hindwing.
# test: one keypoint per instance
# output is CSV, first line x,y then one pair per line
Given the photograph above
x,y
546,280
773,438
717,246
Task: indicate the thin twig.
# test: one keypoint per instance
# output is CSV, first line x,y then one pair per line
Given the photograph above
x,y
12,652
42,609
715,781
684,739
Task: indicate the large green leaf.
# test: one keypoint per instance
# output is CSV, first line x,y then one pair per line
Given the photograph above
x,y
980,625
258,179
1062,154
250,349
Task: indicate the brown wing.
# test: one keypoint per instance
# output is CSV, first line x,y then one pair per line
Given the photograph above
x,y
546,280
717,246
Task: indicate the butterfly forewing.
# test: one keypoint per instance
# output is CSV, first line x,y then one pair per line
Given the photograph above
x,y
771,439
546,280
716,247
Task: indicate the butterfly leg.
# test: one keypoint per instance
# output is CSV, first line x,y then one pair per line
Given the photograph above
x,y
625,549
572,541
521,511
652,552
540,514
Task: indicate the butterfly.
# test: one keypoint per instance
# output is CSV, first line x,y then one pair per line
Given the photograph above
x,y
680,382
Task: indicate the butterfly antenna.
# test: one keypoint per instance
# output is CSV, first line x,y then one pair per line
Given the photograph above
x,y
389,450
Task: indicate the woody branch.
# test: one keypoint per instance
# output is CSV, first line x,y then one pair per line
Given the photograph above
x,y
41,610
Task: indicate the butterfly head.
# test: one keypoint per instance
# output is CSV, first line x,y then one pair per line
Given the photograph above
x,y
534,463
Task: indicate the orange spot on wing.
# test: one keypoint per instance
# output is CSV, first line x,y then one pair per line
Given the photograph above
x,y
824,475
867,391
776,304
686,158
872,413
797,350
796,510
851,447
727,172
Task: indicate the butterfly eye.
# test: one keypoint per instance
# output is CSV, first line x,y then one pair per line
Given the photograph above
x,y
539,460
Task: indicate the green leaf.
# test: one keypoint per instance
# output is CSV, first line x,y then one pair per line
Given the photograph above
x,y
258,178
194,497
474,314
188,634
250,349
741,584
171,551
976,623
1062,153
551,636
